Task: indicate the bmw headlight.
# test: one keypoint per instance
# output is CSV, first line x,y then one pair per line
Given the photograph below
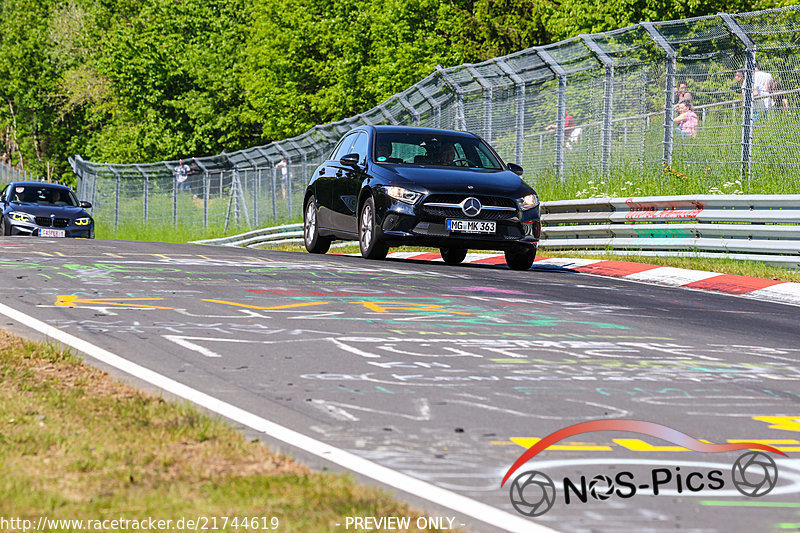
x,y
20,217
404,195
82,221
528,201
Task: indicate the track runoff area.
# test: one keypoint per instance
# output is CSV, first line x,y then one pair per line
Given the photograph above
x,y
441,382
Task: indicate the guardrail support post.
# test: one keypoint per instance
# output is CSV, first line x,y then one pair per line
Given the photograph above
x,y
669,88
747,92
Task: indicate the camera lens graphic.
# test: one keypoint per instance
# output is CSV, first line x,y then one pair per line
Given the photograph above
x,y
754,474
601,487
532,493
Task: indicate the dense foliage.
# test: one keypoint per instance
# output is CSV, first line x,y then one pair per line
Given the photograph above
x,y
142,80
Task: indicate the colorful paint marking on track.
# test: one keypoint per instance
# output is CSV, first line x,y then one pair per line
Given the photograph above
x,y
763,289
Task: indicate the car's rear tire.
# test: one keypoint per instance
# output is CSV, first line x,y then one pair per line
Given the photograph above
x,y
5,229
369,238
521,257
314,243
453,256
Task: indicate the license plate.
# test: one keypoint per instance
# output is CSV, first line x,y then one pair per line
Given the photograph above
x,y
470,226
45,232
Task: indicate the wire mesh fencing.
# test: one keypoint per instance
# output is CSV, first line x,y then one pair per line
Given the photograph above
x,y
9,173
714,97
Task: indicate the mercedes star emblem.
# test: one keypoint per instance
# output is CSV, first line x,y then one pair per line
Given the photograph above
x,y
471,206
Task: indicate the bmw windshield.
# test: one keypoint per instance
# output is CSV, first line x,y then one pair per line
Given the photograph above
x,y
42,195
434,149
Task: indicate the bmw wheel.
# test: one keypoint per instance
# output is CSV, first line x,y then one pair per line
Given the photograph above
x,y
5,229
372,246
453,256
314,243
520,258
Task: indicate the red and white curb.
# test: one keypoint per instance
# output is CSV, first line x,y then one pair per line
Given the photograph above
x,y
759,288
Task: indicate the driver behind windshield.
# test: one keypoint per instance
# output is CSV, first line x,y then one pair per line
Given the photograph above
x,y
445,155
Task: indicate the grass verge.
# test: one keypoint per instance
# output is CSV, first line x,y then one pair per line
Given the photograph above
x,y
77,444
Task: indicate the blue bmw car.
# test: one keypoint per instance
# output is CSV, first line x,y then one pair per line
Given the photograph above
x,y
44,210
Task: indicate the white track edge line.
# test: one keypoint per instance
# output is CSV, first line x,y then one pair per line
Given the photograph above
x,y
466,506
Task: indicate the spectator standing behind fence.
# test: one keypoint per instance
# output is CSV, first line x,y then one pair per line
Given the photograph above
x,y
284,168
780,100
569,124
686,122
682,94
182,175
763,80
739,77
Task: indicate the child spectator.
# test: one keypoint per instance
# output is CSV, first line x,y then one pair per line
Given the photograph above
x,y
687,120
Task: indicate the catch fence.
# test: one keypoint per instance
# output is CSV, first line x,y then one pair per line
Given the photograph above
x,y
9,173
594,104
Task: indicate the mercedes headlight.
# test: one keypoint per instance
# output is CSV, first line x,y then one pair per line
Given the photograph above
x,y
20,217
404,195
528,201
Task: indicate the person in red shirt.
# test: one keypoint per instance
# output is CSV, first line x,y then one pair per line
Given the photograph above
x,y
569,124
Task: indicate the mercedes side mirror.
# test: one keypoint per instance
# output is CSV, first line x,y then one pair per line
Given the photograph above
x,y
515,168
351,160
86,205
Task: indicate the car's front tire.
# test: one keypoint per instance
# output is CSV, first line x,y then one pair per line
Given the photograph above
x,y
369,238
521,257
5,228
453,256
314,243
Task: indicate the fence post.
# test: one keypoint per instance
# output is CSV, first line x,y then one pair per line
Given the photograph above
x,y
408,107
460,118
289,173
206,192
116,196
747,95
274,195
94,187
437,109
174,200
487,102
146,193
669,86
608,104
519,87
256,190
561,113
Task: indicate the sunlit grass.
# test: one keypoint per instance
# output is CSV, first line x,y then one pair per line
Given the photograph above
x,y
77,444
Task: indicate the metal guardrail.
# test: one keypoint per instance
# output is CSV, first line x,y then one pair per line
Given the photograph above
x,y
286,233
755,228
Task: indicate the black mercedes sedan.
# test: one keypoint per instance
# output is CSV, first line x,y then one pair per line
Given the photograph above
x,y
392,185
43,210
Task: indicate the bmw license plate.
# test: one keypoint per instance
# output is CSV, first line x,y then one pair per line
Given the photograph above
x,y
46,232
470,226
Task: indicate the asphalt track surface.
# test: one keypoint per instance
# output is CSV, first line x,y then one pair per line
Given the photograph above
x,y
445,375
